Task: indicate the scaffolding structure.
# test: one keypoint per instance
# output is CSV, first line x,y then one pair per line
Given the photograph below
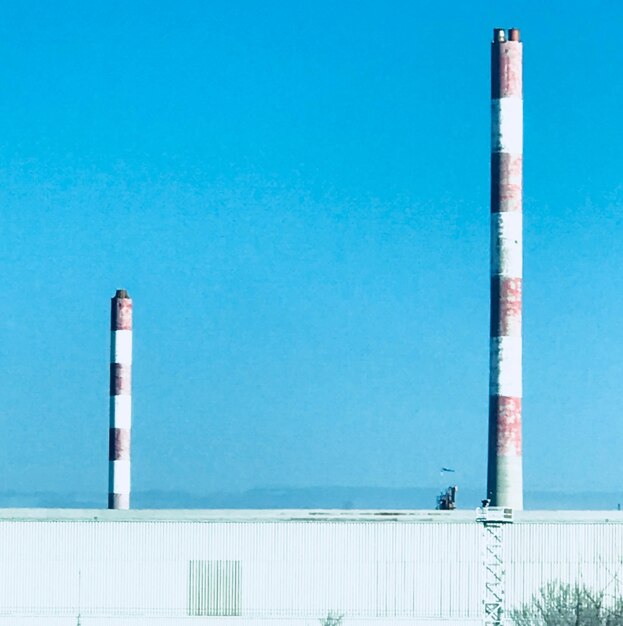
x,y
493,520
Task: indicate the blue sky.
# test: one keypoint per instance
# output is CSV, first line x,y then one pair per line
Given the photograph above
x,y
296,197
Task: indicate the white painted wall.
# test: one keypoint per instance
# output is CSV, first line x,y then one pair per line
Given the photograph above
x,y
412,569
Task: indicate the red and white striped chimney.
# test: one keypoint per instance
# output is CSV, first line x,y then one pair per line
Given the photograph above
x,y
120,401
505,475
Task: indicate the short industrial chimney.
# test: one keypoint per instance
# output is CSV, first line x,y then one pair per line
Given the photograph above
x,y
120,401
505,475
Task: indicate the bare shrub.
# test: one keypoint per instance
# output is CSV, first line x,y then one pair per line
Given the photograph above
x,y
558,604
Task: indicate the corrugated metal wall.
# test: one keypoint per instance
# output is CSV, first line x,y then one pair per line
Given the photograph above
x,y
589,554
284,571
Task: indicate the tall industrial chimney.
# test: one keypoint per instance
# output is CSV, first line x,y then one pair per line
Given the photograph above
x,y
505,475
120,401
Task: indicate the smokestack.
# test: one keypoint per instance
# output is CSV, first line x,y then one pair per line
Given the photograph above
x,y
505,476
120,401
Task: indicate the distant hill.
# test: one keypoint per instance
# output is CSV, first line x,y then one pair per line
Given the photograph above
x,y
308,498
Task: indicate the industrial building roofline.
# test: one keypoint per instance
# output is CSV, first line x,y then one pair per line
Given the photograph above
x,y
298,515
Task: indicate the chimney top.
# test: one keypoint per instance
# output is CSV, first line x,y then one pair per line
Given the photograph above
x,y
499,35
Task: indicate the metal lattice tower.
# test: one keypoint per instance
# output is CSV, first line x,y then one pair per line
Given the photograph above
x,y
494,574
493,521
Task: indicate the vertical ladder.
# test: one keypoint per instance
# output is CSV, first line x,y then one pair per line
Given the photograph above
x,y
493,520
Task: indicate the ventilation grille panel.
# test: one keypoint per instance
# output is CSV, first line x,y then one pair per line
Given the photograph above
x,y
214,588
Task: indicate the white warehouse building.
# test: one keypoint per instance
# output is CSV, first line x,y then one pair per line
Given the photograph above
x,y
275,568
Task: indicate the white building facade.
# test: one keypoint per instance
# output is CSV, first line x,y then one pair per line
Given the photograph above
x,y
269,568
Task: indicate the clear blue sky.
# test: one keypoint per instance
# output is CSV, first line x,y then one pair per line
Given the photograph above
x,y
296,196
